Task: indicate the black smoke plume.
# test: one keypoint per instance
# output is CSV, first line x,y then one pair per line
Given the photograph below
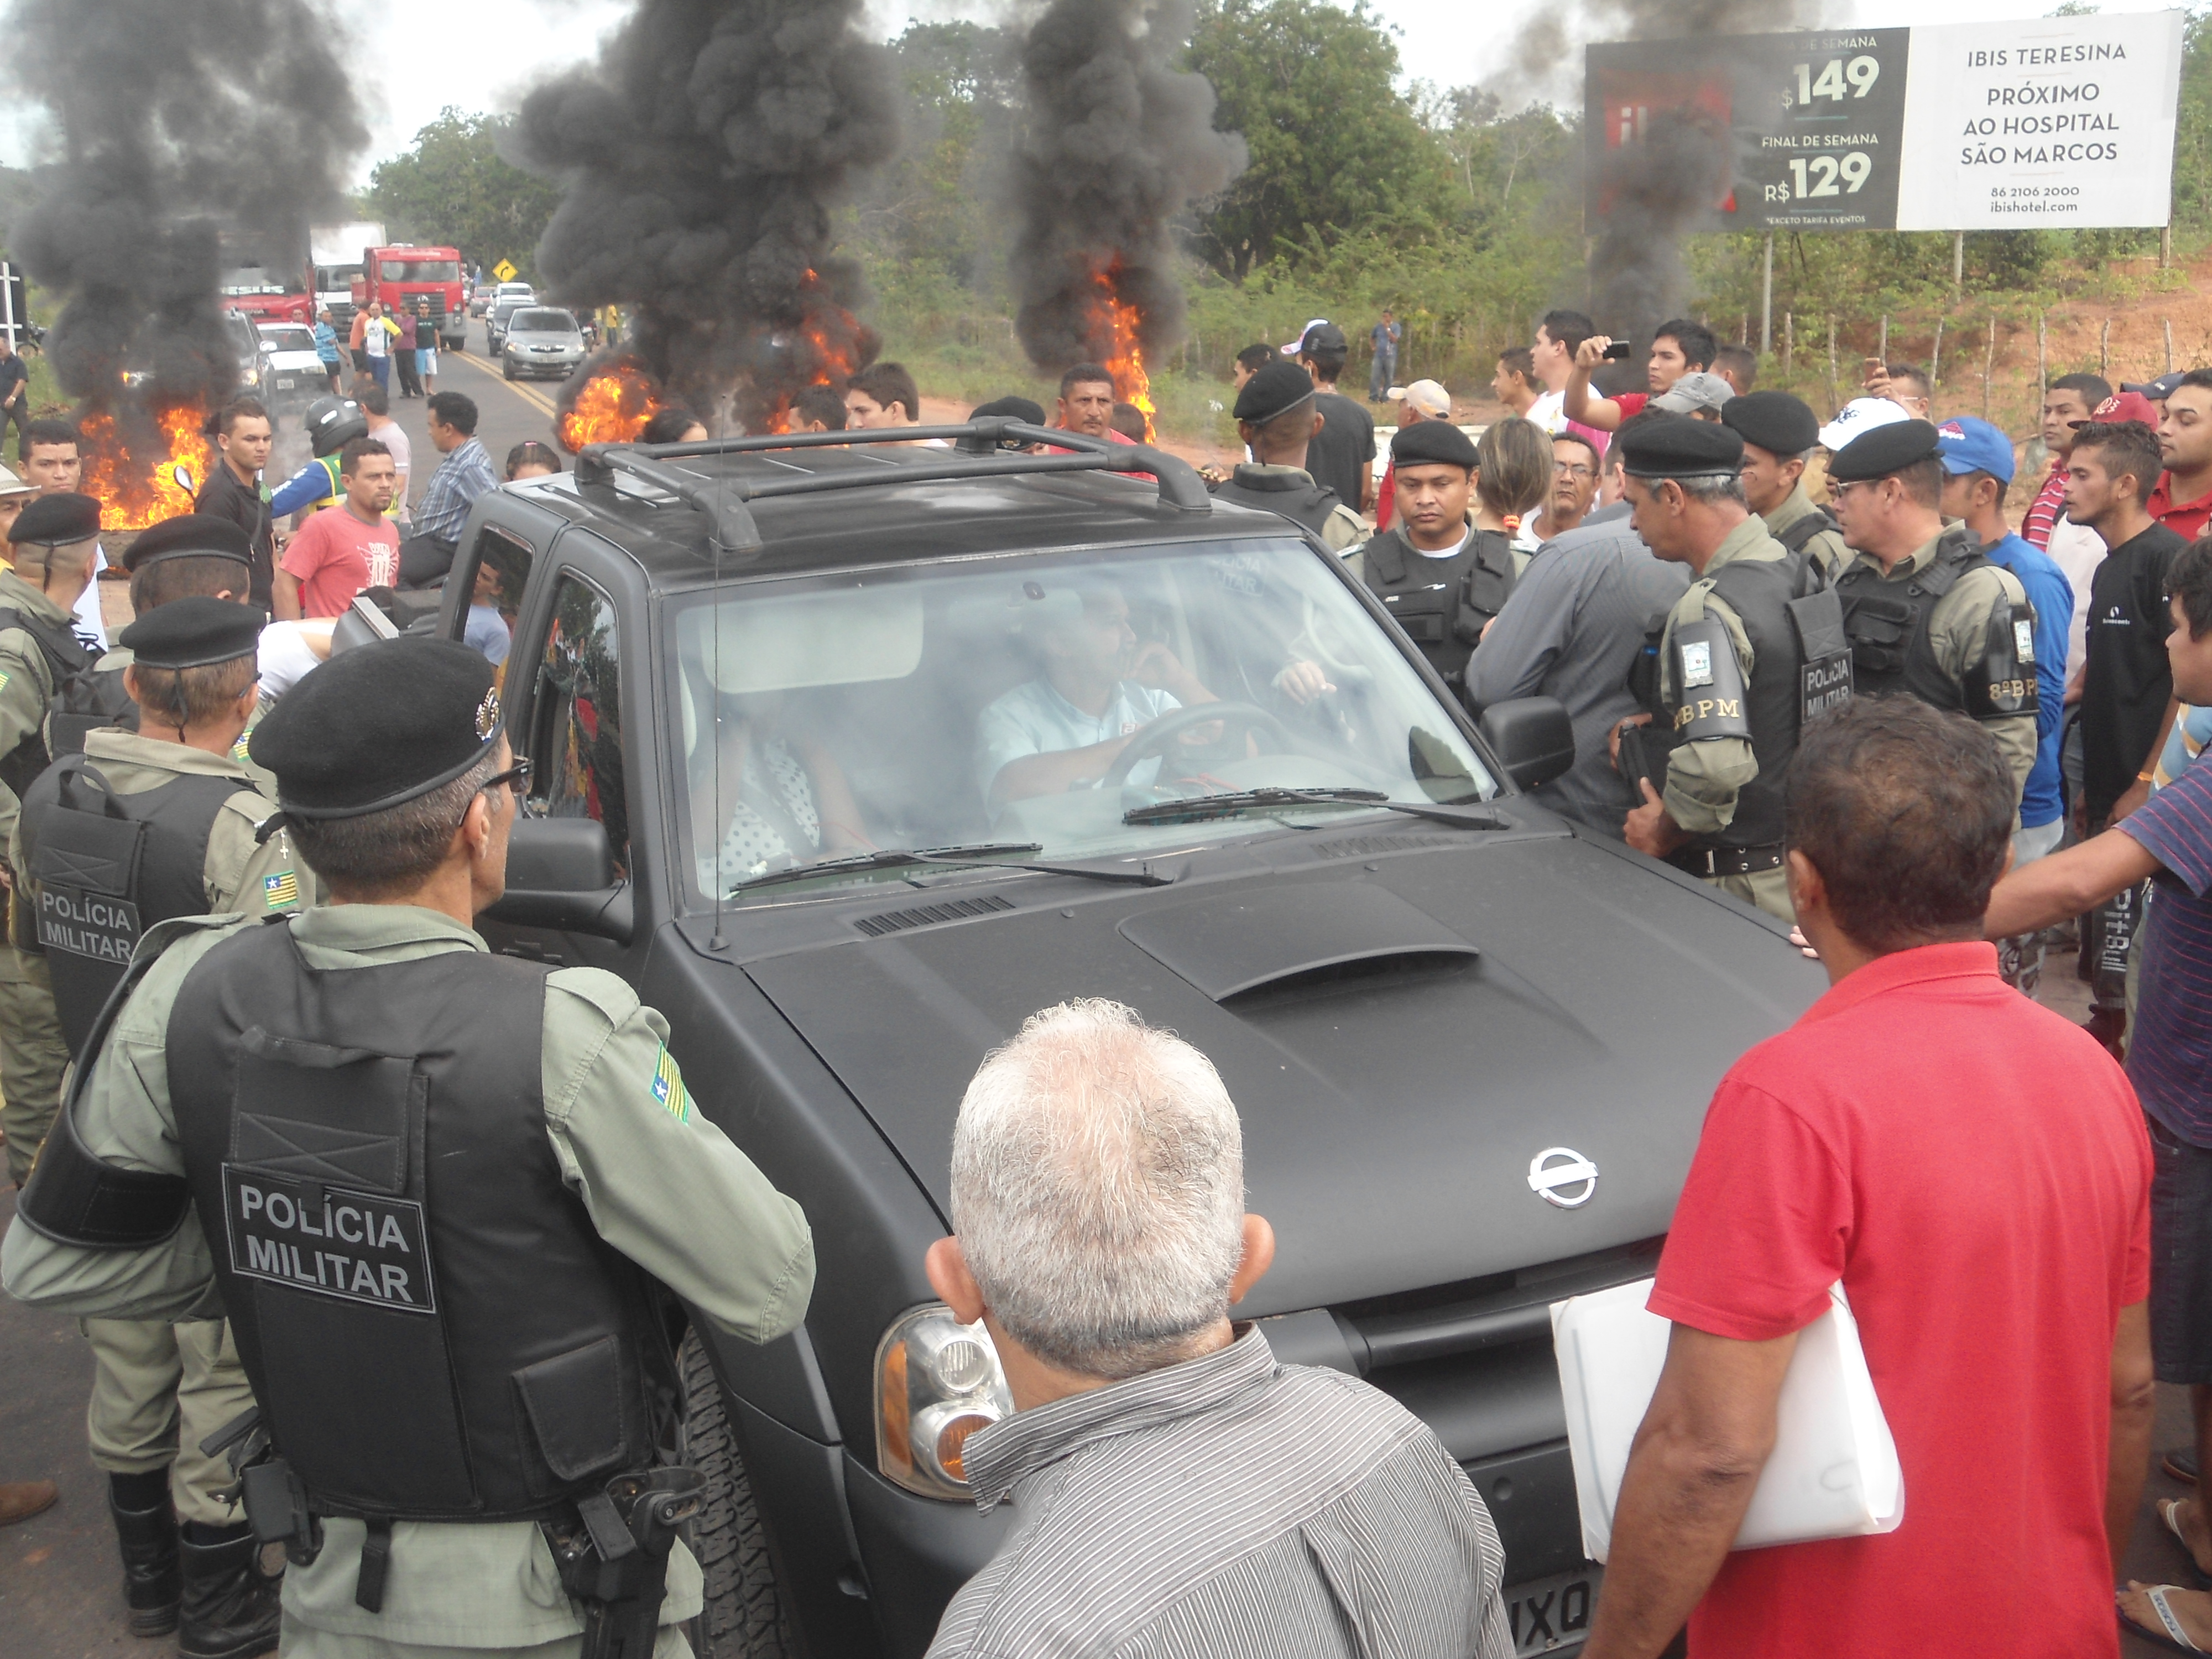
x,y
1115,144
193,137
702,159
1658,190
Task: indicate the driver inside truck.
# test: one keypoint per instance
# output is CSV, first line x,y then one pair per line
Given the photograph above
x,y
1100,687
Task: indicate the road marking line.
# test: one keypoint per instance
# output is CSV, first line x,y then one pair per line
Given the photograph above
x,y
528,394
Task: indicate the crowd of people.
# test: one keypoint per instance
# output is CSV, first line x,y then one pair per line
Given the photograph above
x,y
1809,663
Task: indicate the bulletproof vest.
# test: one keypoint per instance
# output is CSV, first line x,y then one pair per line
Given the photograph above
x,y
1800,667
88,702
1891,646
1301,500
1802,531
65,660
107,867
432,1327
1441,604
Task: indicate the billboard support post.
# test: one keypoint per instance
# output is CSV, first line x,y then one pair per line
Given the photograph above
x,y
8,318
1958,260
1767,302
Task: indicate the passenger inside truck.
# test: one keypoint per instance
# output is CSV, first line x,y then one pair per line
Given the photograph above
x,y
915,707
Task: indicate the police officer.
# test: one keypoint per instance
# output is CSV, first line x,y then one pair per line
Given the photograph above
x,y
1779,434
1751,650
467,1379
53,545
143,826
1440,576
1277,418
1928,613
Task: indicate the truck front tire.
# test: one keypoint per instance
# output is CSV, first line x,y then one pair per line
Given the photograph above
x,y
743,1617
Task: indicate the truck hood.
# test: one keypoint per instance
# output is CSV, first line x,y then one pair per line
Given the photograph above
x,y
1402,1038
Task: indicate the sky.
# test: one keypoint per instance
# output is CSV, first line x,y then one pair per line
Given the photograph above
x,y
480,64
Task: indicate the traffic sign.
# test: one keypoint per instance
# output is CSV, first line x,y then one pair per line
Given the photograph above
x,y
504,271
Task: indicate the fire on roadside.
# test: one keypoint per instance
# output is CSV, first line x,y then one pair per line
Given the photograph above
x,y
1116,323
142,478
612,408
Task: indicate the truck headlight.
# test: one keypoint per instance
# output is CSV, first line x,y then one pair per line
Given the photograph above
x,y
937,1382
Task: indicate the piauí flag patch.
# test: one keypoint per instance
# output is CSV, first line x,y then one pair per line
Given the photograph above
x,y
280,890
668,1087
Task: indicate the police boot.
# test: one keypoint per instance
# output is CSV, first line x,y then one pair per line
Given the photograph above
x,y
152,1585
230,1610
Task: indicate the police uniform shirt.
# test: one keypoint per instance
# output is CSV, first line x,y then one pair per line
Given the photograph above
x,y
1825,548
258,879
26,678
1704,778
1958,632
662,1184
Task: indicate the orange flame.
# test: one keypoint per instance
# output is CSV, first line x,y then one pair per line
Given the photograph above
x,y
613,408
1119,323
138,490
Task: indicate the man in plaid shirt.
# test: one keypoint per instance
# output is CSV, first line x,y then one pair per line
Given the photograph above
x,y
464,475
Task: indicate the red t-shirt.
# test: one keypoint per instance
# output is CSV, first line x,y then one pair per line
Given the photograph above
x,y
2185,518
1974,1168
335,556
1631,404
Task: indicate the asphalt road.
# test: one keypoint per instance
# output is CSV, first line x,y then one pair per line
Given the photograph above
x,y
507,411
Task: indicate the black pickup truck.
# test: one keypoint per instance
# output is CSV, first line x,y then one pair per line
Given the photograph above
x,y
780,693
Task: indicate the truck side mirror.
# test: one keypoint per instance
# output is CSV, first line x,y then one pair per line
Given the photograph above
x,y
1532,737
561,875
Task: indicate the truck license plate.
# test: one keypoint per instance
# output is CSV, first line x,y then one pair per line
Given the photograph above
x,y
1552,1615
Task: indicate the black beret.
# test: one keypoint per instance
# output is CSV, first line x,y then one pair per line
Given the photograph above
x,y
189,535
1428,443
56,521
1676,446
1011,409
1275,390
1775,421
378,726
1883,450
193,633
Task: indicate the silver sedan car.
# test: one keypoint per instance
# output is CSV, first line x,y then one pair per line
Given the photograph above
x,y
541,340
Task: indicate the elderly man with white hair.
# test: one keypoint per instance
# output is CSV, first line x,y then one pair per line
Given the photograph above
x,y
1178,1492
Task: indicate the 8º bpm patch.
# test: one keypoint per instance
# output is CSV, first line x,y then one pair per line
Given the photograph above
x,y
330,1242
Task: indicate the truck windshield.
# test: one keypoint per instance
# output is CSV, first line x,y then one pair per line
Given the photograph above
x,y
421,270
1038,699
335,279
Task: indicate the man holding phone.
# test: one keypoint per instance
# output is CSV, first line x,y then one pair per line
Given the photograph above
x,y
1679,346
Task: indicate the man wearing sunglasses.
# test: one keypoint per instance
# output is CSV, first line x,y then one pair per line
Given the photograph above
x,y
139,827
452,1271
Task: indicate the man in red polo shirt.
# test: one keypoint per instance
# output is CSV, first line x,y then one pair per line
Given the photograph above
x,y
1976,1172
1679,346
2183,501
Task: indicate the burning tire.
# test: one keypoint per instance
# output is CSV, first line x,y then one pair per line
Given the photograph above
x,y
743,1617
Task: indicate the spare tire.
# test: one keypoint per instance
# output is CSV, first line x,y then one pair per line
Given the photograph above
x,y
742,1617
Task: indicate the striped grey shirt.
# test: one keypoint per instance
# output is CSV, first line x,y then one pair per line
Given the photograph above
x,y
1229,1507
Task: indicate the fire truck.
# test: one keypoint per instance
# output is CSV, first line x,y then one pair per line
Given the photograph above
x,y
402,274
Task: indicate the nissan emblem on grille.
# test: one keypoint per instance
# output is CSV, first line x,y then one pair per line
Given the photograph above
x,y
1554,1173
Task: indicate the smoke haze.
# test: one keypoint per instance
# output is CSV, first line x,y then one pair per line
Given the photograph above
x,y
1115,144
702,157
195,134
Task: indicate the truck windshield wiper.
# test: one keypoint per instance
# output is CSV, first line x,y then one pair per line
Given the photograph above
x,y
1196,808
980,855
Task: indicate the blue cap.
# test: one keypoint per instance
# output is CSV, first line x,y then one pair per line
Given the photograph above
x,y
1972,445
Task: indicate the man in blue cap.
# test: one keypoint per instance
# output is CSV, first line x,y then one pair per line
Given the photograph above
x,y
1978,470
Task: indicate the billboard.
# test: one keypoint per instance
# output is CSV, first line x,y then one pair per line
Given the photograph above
x,y
2059,121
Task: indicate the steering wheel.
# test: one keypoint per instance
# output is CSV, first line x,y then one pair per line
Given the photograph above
x,y
1154,740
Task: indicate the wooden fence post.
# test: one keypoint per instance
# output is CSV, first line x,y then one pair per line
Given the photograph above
x,y
2105,350
1989,365
1935,356
2042,365
1789,341
1831,364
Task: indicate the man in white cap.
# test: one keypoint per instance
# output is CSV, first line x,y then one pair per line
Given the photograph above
x,y
1858,415
1424,400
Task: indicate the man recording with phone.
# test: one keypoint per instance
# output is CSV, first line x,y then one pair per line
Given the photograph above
x,y
1679,346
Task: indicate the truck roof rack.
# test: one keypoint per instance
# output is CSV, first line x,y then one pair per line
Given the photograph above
x,y
976,453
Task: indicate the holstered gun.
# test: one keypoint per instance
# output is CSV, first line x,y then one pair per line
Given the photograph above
x,y
613,1557
275,1500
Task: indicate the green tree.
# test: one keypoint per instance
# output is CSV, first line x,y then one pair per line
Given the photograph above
x,y
1336,151
454,188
